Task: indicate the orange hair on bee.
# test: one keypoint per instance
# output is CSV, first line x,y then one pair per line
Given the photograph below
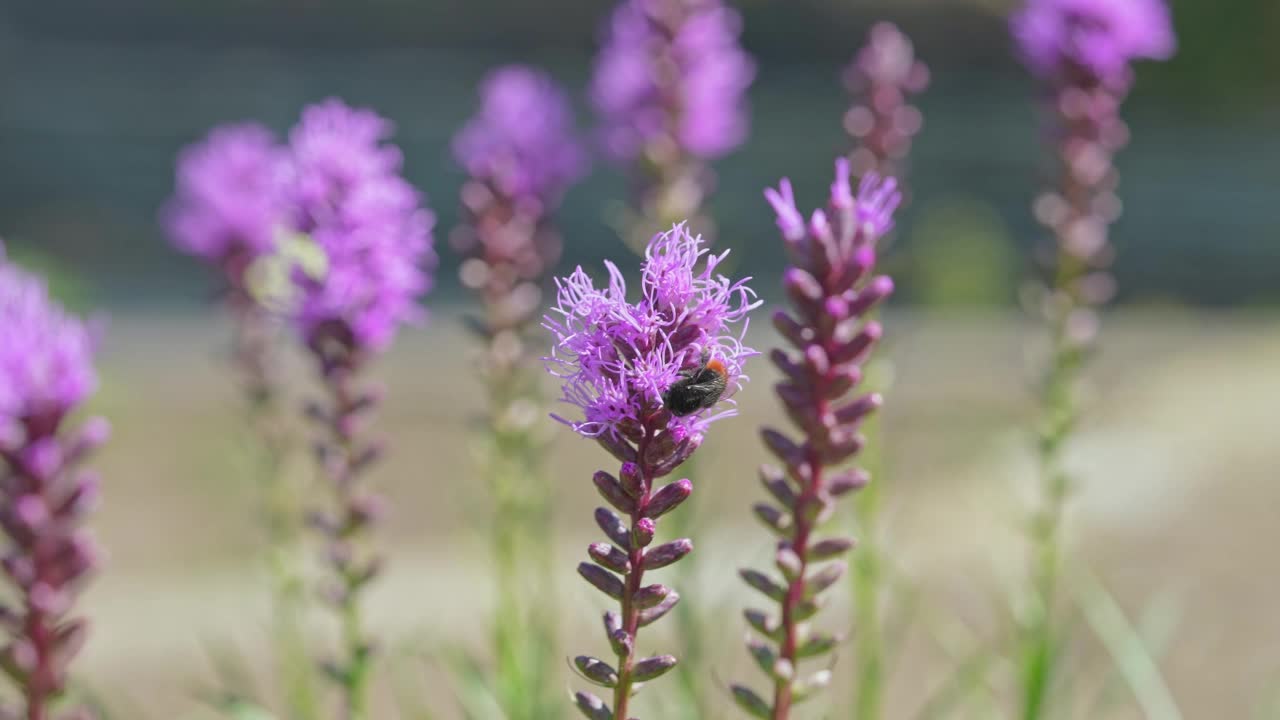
x,y
717,366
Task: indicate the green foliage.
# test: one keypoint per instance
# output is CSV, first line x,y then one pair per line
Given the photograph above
x,y
65,284
961,255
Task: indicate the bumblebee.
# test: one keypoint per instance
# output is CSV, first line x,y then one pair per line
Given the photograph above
x,y
697,389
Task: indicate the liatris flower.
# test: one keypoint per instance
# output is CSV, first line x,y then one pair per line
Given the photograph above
x,y
372,236
521,151
522,141
1081,51
46,373
1075,41
646,378
228,210
883,75
670,87
832,289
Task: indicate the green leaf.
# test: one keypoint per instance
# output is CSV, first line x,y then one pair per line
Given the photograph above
x,y
752,703
1127,649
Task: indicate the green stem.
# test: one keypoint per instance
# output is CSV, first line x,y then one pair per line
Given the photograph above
x,y
1058,418
869,573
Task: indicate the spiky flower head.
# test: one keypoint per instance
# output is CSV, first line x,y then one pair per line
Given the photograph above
x,y
228,205
1098,37
841,239
368,224
523,139
617,358
46,356
672,69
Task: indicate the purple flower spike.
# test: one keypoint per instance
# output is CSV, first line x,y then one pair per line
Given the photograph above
x,y
672,70
833,288
523,140
1096,38
521,152
670,88
1080,51
882,78
366,222
46,372
647,378
373,238
228,207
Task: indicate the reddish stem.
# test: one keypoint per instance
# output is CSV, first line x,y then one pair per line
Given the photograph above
x,y
631,585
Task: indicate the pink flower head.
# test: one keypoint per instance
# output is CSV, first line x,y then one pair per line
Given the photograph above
x,y
228,206
523,138
852,224
1101,37
616,359
46,354
673,68
348,197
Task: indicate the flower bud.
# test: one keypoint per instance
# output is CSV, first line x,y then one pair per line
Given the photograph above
x,y
603,580
642,533
667,553
652,668
668,498
612,491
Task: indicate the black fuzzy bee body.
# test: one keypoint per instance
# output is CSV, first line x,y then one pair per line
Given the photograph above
x,y
697,389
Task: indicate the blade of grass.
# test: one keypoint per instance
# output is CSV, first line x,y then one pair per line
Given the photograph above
x,y
1126,647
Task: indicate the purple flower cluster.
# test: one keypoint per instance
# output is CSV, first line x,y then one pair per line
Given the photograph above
x,y
832,289
672,71
347,195
46,357
1081,51
46,372
523,140
243,202
616,358
1097,37
883,75
228,207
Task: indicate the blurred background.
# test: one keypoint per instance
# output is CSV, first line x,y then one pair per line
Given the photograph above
x,y
1179,508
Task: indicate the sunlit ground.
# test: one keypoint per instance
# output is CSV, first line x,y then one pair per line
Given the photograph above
x,y
1177,511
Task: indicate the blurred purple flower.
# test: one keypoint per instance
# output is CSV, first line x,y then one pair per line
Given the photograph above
x,y
46,355
1100,37
523,139
46,372
348,196
883,76
228,205
617,359
672,69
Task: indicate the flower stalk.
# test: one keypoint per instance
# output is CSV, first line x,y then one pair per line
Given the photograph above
x,y
359,260
881,122
344,459
521,153
46,373
832,288
1081,51
648,378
